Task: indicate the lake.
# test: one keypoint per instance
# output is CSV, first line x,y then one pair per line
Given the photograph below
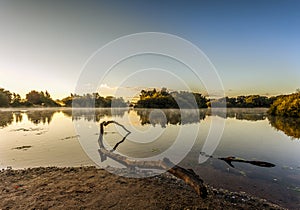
x,y
62,137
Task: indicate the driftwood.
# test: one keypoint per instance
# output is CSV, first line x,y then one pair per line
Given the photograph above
x,y
231,159
188,176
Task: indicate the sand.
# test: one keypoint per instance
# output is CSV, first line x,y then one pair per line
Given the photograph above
x,y
91,188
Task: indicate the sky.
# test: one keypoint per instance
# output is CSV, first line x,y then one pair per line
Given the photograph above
x,y
253,45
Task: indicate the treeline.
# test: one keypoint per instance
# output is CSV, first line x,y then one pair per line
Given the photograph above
x,y
93,100
43,99
165,99
33,98
283,105
251,101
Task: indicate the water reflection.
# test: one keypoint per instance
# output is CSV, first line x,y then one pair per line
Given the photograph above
x,y
251,117
163,117
174,117
240,114
94,115
18,117
41,116
290,126
6,118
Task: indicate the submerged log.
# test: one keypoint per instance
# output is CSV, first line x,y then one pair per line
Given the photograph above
x,y
231,159
188,176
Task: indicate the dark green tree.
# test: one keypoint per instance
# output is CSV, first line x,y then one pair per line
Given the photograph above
x,y
16,100
40,99
5,97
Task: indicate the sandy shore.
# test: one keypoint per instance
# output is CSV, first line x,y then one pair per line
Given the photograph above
x,y
91,188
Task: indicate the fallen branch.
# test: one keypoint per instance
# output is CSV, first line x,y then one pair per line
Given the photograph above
x,y
231,159
188,176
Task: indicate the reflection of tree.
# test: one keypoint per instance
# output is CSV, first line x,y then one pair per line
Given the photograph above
x,y
188,116
18,117
251,116
290,126
241,114
67,112
6,118
93,114
167,116
41,116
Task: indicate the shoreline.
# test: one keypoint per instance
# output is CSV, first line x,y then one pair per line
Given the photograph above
x,y
88,187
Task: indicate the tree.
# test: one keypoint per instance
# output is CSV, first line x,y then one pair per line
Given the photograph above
x,y
68,100
118,102
240,101
34,97
286,106
164,99
47,94
5,98
40,98
16,100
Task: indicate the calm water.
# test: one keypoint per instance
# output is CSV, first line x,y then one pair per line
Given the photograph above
x,y
60,137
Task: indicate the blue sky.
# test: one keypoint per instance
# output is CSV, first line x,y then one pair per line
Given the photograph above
x,y
254,45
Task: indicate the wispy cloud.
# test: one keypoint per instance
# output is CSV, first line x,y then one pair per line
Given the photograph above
x,y
105,86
